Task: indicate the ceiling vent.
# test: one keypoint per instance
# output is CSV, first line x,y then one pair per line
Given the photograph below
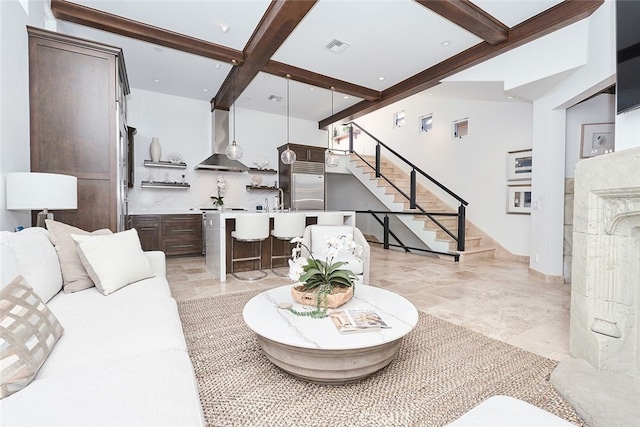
x,y
275,98
337,46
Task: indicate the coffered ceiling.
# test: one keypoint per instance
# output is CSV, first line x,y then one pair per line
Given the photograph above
x,y
392,48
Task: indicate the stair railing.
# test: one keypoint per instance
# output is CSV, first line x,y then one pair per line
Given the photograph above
x,y
459,237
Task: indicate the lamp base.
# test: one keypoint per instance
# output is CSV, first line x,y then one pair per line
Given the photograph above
x,y
45,214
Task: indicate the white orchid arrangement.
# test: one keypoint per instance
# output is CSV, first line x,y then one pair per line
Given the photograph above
x,y
323,275
221,185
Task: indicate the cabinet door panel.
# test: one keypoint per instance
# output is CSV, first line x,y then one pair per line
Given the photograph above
x,y
73,117
148,228
93,213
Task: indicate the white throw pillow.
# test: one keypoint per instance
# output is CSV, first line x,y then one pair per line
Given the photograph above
x,y
113,261
37,260
74,274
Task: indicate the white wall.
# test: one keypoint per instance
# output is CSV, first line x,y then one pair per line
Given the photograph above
x,y
473,167
599,109
183,126
14,98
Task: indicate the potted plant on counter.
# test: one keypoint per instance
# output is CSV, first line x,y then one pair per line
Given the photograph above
x,y
323,284
221,184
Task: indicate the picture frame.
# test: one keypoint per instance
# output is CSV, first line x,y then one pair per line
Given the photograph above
x,y
519,165
519,199
597,139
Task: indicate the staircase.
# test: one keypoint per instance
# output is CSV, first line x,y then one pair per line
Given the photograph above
x,y
423,227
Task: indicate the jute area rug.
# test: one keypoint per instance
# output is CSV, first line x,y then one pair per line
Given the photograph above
x,y
441,371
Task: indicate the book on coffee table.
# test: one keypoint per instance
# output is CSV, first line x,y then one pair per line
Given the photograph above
x,y
352,321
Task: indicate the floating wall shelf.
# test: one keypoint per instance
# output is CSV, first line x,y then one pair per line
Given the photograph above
x,y
165,164
262,187
165,185
256,170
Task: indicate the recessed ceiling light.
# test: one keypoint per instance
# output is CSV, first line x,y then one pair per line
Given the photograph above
x,y
266,77
381,78
205,90
224,28
346,97
156,80
430,94
217,65
510,97
445,43
312,88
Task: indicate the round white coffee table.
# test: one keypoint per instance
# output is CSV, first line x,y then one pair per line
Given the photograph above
x,y
314,350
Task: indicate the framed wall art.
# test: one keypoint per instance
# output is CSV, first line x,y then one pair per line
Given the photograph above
x,y
519,165
519,199
597,139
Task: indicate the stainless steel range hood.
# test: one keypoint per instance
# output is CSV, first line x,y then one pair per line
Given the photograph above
x,y
218,161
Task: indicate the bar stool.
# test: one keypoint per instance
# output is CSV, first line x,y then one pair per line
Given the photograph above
x,y
330,218
250,227
286,226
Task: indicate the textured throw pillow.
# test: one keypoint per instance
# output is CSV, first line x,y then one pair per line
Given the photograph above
x,y
36,259
74,274
113,261
28,332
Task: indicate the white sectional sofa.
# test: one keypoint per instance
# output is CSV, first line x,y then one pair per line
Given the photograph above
x,y
122,358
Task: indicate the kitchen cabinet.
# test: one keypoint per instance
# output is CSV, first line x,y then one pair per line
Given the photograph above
x,y
77,111
148,228
309,160
182,234
174,234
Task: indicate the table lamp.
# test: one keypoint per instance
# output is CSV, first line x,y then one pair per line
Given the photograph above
x,y
35,191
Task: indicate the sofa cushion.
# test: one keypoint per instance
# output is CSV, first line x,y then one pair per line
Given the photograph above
x,y
99,329
156,389
37,260
113,261
74,274
28,332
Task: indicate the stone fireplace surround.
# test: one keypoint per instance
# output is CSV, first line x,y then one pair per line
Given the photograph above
x,y
601,380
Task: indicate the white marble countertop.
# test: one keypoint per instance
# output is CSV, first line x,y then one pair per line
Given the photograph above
x,y
262,315
165,212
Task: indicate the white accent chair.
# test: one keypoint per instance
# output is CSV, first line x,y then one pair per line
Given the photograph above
x,y
286,226
315,239
250,227
330,218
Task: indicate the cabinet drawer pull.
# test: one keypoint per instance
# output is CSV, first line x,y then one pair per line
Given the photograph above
x,y
148,229
182,246
186,230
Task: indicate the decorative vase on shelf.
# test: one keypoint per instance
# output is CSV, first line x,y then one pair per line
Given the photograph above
x,y
155,149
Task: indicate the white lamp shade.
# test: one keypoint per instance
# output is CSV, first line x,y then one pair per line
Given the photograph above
x,y
36,191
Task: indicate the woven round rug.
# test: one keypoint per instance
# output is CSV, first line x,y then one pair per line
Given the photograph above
x,y
440,372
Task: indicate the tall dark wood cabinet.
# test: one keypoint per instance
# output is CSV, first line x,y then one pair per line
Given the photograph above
x,y
309,159
77,91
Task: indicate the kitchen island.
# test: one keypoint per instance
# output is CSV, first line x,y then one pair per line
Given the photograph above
x,y
218,226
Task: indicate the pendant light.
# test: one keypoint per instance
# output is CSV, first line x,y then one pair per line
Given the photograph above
x,y
234,151
332,159
288,156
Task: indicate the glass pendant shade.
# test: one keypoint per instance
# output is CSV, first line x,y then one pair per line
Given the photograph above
x,y
332,160
233,151
288,156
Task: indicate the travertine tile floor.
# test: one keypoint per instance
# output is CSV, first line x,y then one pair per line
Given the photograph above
x,y
497,298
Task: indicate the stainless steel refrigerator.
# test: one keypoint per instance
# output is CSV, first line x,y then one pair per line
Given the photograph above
x,y
307,190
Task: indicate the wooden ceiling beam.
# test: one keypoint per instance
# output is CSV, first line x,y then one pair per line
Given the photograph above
x,y
278,22
467,15
320,80
94,18
555,18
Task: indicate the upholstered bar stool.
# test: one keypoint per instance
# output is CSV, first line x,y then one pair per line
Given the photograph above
x,y
286,226
330,218
250,227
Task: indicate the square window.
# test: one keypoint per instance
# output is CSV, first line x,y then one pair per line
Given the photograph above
x,y
398,119
461,128
426,123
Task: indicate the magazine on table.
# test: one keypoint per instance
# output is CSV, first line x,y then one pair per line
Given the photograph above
x,y
351,321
